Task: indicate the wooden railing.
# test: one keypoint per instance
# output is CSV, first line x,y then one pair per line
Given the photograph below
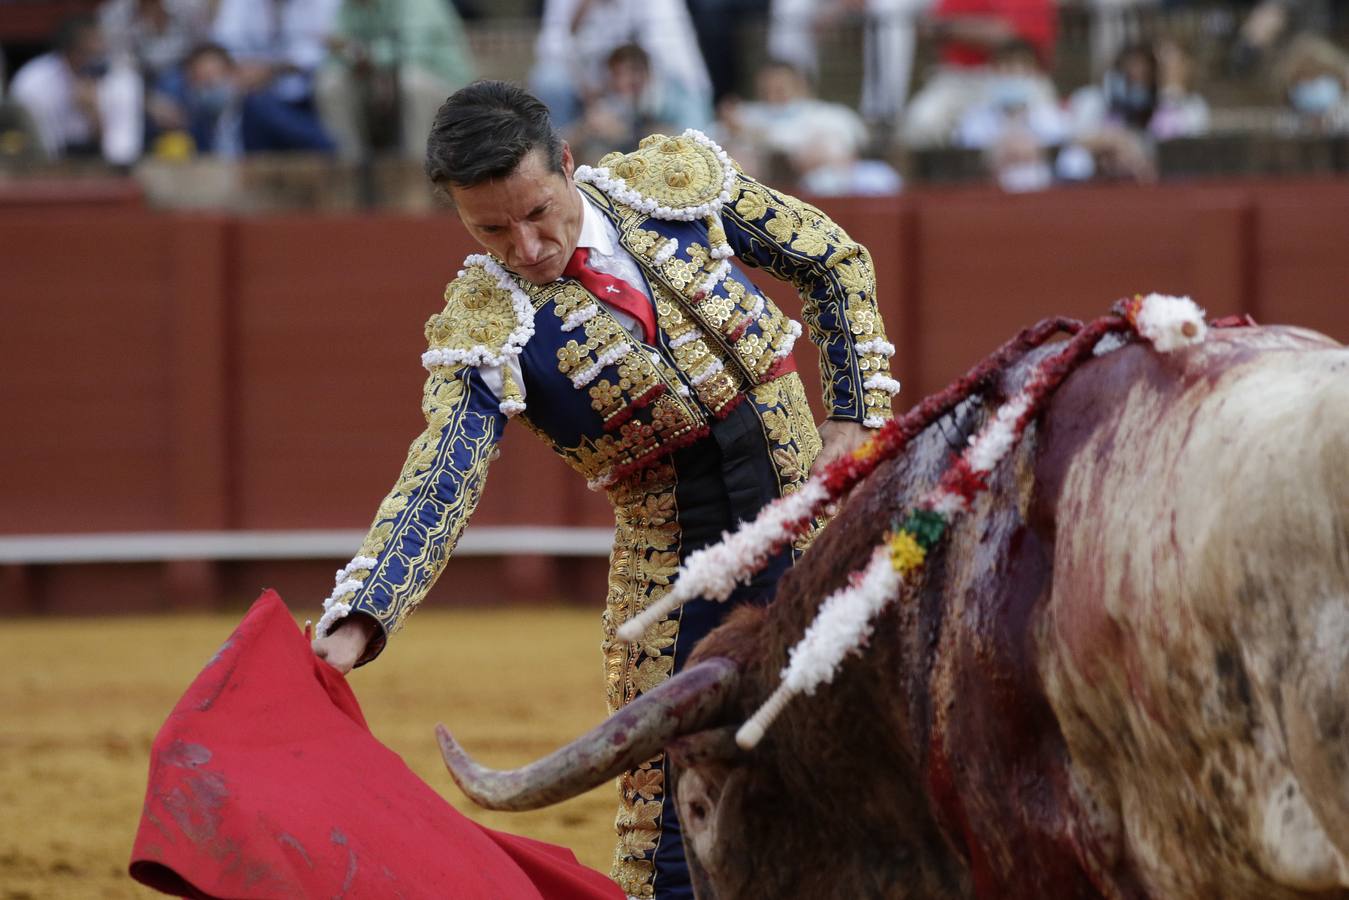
x,y
181,373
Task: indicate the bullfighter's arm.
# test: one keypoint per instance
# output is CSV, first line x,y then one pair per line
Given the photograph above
x,y
467,399
419,523
796,242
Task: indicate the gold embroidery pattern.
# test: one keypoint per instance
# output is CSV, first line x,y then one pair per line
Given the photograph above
x,y
792,437
457,445
644,411
644,559
477,312
479,318
796,242
673,171
722,317
711,372
704,368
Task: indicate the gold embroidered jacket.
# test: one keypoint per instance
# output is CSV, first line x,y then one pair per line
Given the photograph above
x,y
609,404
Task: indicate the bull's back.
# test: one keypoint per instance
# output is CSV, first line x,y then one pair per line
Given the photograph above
x,y
1195,642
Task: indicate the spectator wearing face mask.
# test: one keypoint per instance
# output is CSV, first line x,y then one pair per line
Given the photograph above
x,y
1110,122
224,118
968,34
81,103
577,36
1147,91
207,91
1018,97
1312,76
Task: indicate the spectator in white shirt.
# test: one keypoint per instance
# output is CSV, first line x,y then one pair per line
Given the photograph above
x,y
80,104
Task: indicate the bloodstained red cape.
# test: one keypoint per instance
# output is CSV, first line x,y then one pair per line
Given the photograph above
x,y
265,782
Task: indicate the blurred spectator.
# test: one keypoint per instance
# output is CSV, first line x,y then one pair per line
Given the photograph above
x,y
1019,160
224,118
1271,21
393,62
157,34
819,143
888,50
718,25
1111,123
276,47
1020,98
630,107
1114,24
577,37
1147,91
1313,76
81,103
207,91
1181,111
968,33
887,45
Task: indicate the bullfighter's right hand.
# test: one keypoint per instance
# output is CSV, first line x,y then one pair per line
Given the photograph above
x,y
344,644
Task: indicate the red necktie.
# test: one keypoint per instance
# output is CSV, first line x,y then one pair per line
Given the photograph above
x,y
614,291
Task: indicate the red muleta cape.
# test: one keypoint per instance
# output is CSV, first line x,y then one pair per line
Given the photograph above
x,y
265,782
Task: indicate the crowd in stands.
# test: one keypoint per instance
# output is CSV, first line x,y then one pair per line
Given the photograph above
x,y
228,77
351,79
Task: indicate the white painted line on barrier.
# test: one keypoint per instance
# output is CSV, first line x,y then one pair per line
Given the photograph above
x,y
156,546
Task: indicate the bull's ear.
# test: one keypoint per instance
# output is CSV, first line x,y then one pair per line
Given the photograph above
x,y
715,746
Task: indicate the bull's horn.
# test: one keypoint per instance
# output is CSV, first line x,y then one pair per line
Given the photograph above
x,y
688,702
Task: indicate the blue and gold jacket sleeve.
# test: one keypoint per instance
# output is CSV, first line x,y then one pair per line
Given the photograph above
x,y
420,521
796,242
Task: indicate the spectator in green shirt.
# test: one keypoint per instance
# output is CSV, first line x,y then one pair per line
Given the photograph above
x,y
392,64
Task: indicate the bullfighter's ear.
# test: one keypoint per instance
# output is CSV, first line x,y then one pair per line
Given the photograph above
x,y
711,747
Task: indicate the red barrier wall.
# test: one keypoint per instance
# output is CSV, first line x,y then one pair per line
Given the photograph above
x,y
196,372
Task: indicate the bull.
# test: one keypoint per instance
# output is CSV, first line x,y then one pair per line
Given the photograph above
x,y
1123,675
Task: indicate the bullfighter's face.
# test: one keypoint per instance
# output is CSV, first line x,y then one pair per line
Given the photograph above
x,y
530,220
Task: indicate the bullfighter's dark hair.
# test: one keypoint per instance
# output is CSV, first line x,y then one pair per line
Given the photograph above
x,y
483,131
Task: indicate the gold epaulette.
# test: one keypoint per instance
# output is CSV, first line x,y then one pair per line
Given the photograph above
x,y
486,321
680,179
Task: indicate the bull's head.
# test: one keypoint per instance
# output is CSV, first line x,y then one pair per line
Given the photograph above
x,y
836,779
750,818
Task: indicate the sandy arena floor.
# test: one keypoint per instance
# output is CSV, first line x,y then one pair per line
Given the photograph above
x,y
81,701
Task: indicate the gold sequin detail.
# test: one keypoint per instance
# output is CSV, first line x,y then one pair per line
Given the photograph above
x,y
677,172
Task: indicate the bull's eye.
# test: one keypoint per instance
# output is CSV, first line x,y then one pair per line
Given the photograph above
x,y
697,810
